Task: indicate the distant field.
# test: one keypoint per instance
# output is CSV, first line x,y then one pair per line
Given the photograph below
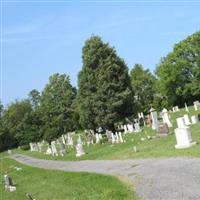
x,y
56,185
159,147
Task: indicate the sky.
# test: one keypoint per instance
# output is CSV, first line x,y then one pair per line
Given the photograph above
x,y
39,38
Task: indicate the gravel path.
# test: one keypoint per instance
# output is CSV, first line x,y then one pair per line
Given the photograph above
x,y
155,179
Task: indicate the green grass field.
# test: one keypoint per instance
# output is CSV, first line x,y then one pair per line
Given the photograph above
x,y
158,147
56,185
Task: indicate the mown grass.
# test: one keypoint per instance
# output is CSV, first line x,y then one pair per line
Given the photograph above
x,y
56,185
158,147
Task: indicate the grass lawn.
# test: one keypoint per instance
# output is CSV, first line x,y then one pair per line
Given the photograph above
x,y
158,147
56,185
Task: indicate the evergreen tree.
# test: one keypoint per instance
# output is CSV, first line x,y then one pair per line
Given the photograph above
x,y
104,95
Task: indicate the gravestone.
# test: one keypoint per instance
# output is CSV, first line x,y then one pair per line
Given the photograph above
x,y
113,138
196,105
186,108
97,138
31,147
120,137
39,144
154,119
29,197
9,152
53,148
63,139
69,139
183,138
165,117
176,108
187,120
62,149
116,138
194,119
125,129
9,186
49,150
130,128
163,129
181,122
89,139
137,127
79,148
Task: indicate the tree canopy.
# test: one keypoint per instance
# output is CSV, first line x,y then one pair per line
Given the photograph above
x,y
179,72
143,85
56,106
104,95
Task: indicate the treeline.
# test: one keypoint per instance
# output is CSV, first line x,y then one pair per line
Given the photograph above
x,y
107,94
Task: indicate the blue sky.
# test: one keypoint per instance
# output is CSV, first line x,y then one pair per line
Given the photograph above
x,y
42,38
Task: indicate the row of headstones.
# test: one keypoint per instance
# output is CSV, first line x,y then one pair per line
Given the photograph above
x,y
183,132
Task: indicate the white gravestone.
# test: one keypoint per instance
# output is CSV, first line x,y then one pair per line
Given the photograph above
x,y
165,117
116,137
137,127
62,150
69,139
113,138
176,108
79,148
63,139
120,137
183,138
154,119
187,120
97,138
194,119
9,184
196,105
125,129
53,147
31,146
181,122
186,108
39,144
130,128
49,151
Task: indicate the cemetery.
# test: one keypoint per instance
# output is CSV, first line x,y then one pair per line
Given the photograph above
x,y
181,138
81,119
150,142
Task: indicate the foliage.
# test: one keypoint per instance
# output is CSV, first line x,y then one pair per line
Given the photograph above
x,y
104,95
179,73
143,85
34,97
56,107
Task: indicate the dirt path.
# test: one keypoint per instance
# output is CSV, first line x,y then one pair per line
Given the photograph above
x,y
155,179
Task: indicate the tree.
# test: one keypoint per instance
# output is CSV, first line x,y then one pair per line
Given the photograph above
x,y
179,73
56,107
142,82
34,97
104,95
12,123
